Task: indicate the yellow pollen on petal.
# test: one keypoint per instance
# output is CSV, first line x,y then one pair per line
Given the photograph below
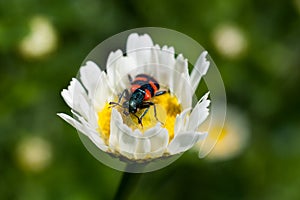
x,y
167,108
104,122
169,125
172,107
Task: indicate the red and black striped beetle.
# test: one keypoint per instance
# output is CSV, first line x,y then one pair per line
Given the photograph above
x,y
143,88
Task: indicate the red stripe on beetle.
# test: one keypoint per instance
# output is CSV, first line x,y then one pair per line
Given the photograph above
x,y
134,87
147,95
141,79
153,86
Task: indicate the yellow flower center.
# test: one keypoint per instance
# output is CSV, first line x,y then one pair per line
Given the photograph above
x,y
216,134
223,134
167,108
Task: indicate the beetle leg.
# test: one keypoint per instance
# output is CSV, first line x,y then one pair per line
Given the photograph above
x,y
124,94
160,93
114,104
145,112
125,112
147,105
154,106
155,113
127,96
121,96
139,119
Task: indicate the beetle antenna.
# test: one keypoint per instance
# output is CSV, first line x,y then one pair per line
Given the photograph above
x,y
113,104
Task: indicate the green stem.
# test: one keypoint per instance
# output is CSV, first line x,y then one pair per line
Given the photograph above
x,y
127,186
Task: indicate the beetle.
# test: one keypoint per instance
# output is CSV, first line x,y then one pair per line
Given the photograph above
x,y
142,89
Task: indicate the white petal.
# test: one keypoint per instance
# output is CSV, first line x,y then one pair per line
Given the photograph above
x,y
91,117
167,56
123,67
180,121
159,139
151,64
185,141
181,65
118,68
91,134
103,92
180,68
174,74
112,73
68,94
182,90
155,55
82,106
165,60
115,122
92,122
199,70
199,113
162,75
76,97
72,122
139,48
89,75
98,141
113,57
136,41
165,67
127,145
142,149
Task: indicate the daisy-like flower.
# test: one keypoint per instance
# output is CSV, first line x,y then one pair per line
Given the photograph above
x,y
233,139
229,40
41,40
34,154
170,127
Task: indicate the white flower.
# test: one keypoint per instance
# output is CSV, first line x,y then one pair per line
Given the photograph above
x,y
229,40
232,140
109,129
34,154
41,40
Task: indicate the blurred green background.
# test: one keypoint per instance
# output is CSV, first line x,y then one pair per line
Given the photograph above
x,y
255,44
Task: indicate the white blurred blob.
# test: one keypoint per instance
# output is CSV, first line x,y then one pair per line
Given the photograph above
x,y
229,41
33,154
233,139
41,40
